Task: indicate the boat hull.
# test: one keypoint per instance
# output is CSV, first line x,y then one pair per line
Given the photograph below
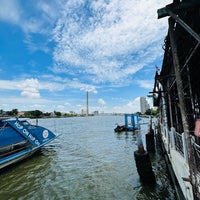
x,y
19,140
17,158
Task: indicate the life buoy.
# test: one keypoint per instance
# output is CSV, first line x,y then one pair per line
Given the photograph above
x,y
197,128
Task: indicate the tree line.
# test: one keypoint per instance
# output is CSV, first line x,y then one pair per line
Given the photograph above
x,y
34,114
40,114
150,112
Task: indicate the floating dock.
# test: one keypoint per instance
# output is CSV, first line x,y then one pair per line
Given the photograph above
x,y
131,123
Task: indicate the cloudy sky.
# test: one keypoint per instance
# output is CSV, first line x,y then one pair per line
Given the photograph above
x,y
52,52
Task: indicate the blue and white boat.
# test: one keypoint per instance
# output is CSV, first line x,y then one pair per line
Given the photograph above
x,y
19,139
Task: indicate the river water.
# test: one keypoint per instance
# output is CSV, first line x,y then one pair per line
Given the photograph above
x,y
89,161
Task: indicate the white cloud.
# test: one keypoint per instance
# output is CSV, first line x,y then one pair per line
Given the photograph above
x,y
23,104
147,84
60,108
105,44
101,102
32,17
10,11
56,83
29,88
130,107
115,42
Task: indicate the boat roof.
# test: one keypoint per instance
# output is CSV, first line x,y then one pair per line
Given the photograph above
x,y
12,119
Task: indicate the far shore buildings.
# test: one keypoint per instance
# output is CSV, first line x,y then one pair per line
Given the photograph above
x,y
143,105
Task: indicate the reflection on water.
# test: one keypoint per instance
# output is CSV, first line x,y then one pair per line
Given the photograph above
x,y
88,161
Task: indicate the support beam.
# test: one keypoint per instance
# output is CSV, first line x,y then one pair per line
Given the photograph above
x,y
184,25
178,7
186,62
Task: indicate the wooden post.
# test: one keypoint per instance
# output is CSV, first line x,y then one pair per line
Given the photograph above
x,y
143,164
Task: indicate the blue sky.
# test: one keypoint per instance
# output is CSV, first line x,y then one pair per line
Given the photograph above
x,y
52,52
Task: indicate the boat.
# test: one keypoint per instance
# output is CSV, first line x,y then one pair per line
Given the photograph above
x,y
129,126
176,93
20,139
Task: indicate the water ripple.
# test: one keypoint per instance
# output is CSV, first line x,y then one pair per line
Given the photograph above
x,y
87,162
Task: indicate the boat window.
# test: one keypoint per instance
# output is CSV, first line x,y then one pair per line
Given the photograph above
x,y
26,123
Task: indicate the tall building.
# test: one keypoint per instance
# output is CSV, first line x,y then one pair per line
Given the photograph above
x,y
143,105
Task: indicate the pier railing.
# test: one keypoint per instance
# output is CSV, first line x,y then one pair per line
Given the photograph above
x,y
196,148
176,141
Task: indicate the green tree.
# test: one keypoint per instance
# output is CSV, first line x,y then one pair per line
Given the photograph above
x,y
58,114
1,111
47,114
151,112
34,114
37,113
14,112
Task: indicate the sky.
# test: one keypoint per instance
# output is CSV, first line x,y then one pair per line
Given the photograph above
x,y
53,52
